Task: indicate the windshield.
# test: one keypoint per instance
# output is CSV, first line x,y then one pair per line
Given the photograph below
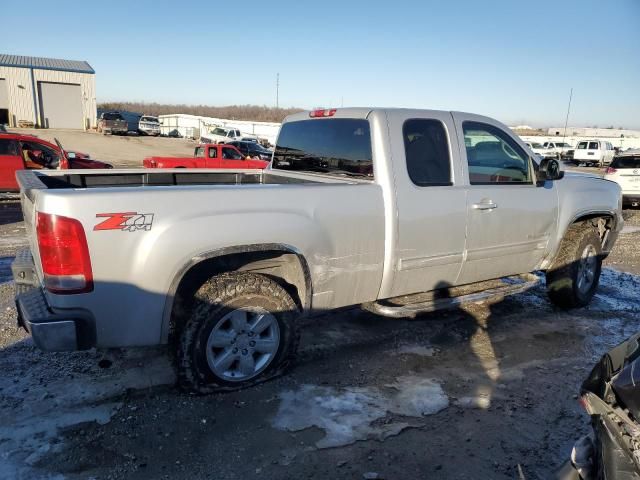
x,y
582,145
339,146
219,131
536,145
632,161
149,119
112,116
563,145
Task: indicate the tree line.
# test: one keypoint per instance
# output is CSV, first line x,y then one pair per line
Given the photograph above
x,y
256,113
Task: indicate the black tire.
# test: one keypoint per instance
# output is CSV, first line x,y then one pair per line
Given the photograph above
x,y
563,278
213,302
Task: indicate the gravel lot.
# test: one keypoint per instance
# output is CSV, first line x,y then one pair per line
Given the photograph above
x,y
121,151
479,392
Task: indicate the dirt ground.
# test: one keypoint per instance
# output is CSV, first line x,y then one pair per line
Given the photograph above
x,y
120,151
485,391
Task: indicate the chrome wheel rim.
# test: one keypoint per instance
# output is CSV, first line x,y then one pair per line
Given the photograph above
x,y
242,344
587,266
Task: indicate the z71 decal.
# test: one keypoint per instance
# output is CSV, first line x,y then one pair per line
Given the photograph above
x,y
126,221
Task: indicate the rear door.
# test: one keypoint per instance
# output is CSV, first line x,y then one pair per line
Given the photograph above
x,y
509,218
10,162
431,202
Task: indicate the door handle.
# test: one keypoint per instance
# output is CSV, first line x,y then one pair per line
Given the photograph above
x,y
486,205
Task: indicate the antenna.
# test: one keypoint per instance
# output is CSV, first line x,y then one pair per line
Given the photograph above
x,y
566,120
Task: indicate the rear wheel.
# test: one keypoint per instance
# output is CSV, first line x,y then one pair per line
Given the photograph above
x,y
241,331
573,278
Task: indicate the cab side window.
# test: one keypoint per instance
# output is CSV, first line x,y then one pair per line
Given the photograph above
x,y
593,146
231,154
426,147
494,157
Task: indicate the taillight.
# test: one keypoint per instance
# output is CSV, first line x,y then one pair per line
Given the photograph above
x,y
64,254
322,113
611,170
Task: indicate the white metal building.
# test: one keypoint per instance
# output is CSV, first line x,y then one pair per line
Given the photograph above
x,y
191,126
48,92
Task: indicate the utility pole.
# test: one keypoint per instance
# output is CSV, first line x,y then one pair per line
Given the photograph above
x,y
566,120
278,90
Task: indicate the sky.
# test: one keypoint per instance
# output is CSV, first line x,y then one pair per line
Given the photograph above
x,y
512,60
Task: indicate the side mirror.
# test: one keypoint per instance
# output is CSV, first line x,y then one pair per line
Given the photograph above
x,y
549,170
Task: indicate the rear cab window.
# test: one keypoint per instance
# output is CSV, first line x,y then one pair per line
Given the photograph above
x,y
426,149
8,147
335,146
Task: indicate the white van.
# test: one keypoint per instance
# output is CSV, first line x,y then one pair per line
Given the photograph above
x,y
593,152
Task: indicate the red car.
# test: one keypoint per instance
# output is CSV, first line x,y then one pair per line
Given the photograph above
x,y
20,152
208,155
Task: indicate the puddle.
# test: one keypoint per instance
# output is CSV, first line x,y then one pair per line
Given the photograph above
x,y
356,413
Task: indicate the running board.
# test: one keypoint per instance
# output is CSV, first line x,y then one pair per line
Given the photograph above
x,y
506,286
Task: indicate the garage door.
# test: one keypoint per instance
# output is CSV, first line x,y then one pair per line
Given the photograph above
x,y
60,105
4,102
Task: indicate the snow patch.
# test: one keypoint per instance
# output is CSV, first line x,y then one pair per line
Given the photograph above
x,y
356,413
420,350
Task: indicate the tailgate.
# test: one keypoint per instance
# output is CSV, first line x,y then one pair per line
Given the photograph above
x,y
29,183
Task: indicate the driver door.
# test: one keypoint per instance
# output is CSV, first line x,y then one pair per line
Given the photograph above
x,y
509,218
232,158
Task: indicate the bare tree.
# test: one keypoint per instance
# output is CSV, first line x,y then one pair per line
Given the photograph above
x,y
254,113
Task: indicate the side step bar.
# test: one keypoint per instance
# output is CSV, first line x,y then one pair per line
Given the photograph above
x,y
502,287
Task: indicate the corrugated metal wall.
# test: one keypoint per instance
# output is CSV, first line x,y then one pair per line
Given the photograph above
x,y
21,91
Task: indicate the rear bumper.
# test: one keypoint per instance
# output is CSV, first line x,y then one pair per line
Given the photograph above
x,y
52,330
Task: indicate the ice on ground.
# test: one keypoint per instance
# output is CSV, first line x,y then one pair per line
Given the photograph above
x,y
351,414
630,229
617,291
42,410
420,350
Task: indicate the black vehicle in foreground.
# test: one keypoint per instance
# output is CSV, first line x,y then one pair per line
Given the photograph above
x,y
611,396
253,150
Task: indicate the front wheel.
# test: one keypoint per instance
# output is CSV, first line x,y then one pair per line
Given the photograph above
x,y
573,279
241,331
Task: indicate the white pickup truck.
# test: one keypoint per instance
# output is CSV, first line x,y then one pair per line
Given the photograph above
x,y
221,135
359,207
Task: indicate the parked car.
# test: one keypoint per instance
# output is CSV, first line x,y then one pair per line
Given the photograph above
x,y
536,147
611,397
112,123
223,264
220,135
208,155
148,125
593,153
625,171
253,150
20,152
557,150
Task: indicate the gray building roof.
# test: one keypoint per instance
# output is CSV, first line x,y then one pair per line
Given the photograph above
x,y
41,63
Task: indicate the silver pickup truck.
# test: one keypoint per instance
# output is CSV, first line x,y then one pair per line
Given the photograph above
x,y
399,210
